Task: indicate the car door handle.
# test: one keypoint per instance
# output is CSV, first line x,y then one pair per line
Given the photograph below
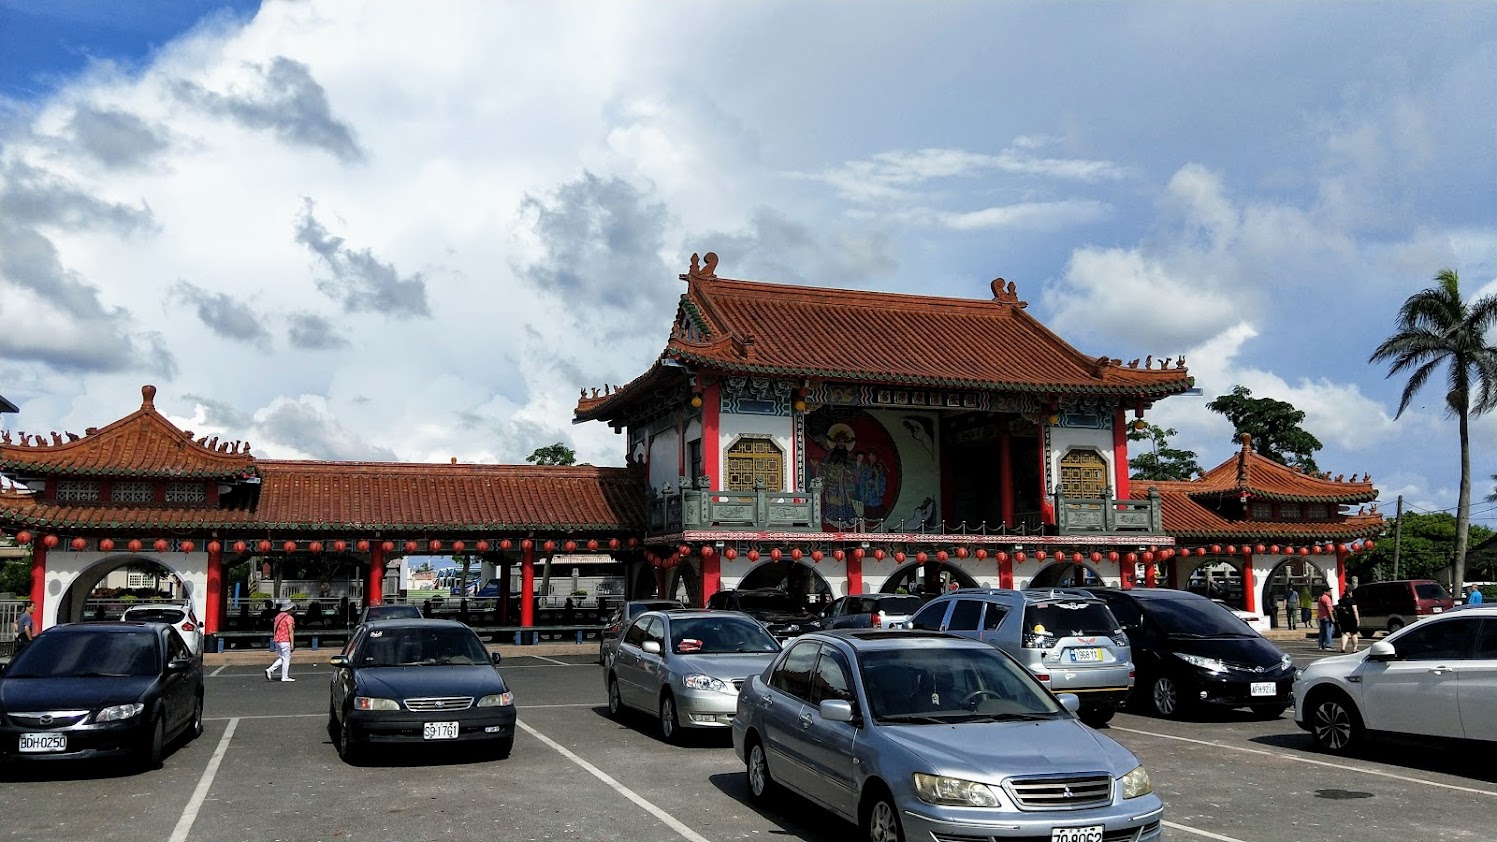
x,y
767,701
805,720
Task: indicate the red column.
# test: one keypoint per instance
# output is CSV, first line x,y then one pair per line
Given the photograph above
x,y
1120,452
1151,579
1006,572
712,576
711,447
854,575
1006,478
38,579
1125,571
527,583
373,590
1340,572
1249,591
213,607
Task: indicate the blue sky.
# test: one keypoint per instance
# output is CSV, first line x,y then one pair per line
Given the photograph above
x,y
390,231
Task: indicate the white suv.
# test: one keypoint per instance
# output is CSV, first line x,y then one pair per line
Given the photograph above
x,y
179,617
1431,678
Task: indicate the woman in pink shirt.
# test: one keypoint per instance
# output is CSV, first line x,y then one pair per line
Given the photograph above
x,y
283,631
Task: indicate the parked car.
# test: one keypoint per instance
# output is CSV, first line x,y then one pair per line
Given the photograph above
x,y
1189,651
418,682
621,618
778,611
1429,679
390,611
100,689
870,610
921,735
1389,606
180,617
1068,639
687,667
1256,622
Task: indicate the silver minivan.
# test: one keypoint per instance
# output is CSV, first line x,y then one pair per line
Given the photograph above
x,y
1068,639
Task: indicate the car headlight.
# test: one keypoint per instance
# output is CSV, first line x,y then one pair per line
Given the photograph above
x,y
115,713
954,792
1286,662
697,681
1207,664
497,700
1136,783
371,703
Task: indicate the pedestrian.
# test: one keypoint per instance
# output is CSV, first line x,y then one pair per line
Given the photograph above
x,y
1273,609
1473,595
25,627
1306,603
283,635
1348,619
1291,608
1324,609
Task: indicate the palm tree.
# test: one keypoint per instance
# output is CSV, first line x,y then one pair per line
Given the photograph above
x,y
1436,327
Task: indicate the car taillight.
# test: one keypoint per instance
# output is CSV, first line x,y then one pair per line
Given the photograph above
x,y
188,626
878,619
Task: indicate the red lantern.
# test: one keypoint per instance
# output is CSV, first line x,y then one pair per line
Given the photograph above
x,y
816,556
706,552
526,544
858,553
434,546
1273,549
775,554
289,546
315,546
23,537
592,545
1040,555
1096,557
1200,551
1132,558
1260,549
388,546
160,545
362,545
412,546
613,543
730,553
683,550
482,545
1112,556
1216,549
135,545
878,555
1000,555
570,546
839,555
796,553
50,541
1148,557
941,555
753,555
1246,550
1369,545
458,546
899,557
340,545
188,546
106,545
633,542
1304,550
239,546
1340,548
1019,557
214,547
78,543
980,554
550,547
961,552
1316,549
1231,549
921,557
505,544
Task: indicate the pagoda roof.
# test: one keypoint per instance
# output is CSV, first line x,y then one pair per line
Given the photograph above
x,y
142,444
1185,519
1260,477
755,328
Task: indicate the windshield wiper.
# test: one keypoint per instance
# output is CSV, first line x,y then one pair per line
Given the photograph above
x,y
1188,634
1010,717
914,719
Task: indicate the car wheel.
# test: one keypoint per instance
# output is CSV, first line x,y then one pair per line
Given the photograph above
x,y
155,745
501,748
1096,715
881,821
196,729
1165,696
1394,625
670,726
760,785
1335,723
615,701
348,747
1269,711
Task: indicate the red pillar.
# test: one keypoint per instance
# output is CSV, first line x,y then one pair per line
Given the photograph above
x,y
1340,572
373,590
38,580
213,608
1120,452
1125,571
711,447
1150,577
1006,477
712,576
527,584
854,575
1249,590
1006,572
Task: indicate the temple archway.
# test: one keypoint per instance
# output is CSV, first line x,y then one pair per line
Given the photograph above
x,y
144,576
1216,577
1294,575
1067,574
797,578
912,577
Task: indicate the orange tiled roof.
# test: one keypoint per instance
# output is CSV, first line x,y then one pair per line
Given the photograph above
x,y
1185,518
879,337
1254,474
142,444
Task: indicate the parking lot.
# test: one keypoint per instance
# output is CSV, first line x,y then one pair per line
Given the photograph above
x,y
265,770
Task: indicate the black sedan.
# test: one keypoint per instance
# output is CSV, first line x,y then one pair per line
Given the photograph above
x,y
418,682
99,690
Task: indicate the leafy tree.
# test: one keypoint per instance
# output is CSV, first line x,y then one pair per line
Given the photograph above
x,y
15,577
1426,546
1438,328
1274,426
1162,462
553,454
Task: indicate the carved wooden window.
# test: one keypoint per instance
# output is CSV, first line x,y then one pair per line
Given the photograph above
x,y
755,459
77,491
186,492
132,492
1289,511
1262,511
1083,473
1316,511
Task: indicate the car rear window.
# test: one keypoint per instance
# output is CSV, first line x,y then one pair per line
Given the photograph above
x,y
767,602
392,612
1195,618
1430,590
154,615
1069,618
894,605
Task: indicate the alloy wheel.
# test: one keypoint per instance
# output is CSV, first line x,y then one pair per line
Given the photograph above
x,y
668,725
758,772
1332,725
1166,697
883,823
615,701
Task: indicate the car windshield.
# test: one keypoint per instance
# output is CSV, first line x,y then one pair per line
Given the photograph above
x,y
945,685
421,647
719,635
890,605
1195,618
154,615
392,612
1069,618
76,655
772,601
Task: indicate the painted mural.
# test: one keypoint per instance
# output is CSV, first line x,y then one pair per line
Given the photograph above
x,y
858,464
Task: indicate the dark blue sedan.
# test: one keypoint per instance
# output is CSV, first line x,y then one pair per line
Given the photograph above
x,y
418,683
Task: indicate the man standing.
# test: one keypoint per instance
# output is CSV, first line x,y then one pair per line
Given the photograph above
x,y
284,630
1473,595
1324,609
1291,607
25,627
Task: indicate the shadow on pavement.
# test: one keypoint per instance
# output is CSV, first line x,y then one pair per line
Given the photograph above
x,y
811,824
1410,753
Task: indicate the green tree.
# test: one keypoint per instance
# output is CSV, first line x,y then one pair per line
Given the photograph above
x,y
553,454
15,577
1161,462
1274,426
1426,546
1437,328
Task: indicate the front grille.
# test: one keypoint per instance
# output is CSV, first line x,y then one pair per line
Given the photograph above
x,y
1071,792
737,684
49,719
439,703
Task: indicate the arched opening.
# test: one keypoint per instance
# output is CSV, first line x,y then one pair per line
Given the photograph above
x,y
797,578
1218,577
106,588
1067,574
913,578
1289,592
327,588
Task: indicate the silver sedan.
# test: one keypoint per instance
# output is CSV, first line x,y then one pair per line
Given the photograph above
x,y
686,667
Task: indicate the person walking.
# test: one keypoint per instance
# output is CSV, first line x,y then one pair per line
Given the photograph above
x,y
1348,619
1291,608
1473,595
1306,604
284,631
25,627
1324,610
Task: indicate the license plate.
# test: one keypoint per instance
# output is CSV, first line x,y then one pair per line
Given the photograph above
x,y
1077,834
1264,688
1085,656
44,742
1437,609
439,731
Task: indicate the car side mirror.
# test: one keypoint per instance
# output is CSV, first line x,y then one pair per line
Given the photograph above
x,y
495,657
1070,701
651,647
339,661
179,665
1382,650
835,710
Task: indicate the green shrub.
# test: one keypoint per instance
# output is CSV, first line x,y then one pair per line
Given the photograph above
x,y
259,595
129,597
301,595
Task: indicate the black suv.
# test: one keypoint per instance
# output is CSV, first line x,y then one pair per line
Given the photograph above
x,y
776,610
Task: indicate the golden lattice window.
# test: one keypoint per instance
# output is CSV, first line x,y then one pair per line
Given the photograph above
x,y
755,459
1083,473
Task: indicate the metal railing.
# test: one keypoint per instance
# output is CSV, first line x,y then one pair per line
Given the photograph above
x,y
698,506
1080,516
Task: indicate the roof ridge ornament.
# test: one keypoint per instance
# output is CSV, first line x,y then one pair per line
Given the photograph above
x,y
702,268
1007,295
148,397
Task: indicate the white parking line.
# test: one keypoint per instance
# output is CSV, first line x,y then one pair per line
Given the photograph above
x,y
190,814
1197,831
1310,760
670,820
548,660
215,673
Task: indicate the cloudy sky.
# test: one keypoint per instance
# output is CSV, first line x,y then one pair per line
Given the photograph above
x,y
414,231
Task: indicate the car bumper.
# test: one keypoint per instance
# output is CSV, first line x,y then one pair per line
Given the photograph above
x,y
474,725
113,739
1136,820
1091,682
705,708
1237,693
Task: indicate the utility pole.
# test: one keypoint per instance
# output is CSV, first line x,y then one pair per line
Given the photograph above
x,y
1397,534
